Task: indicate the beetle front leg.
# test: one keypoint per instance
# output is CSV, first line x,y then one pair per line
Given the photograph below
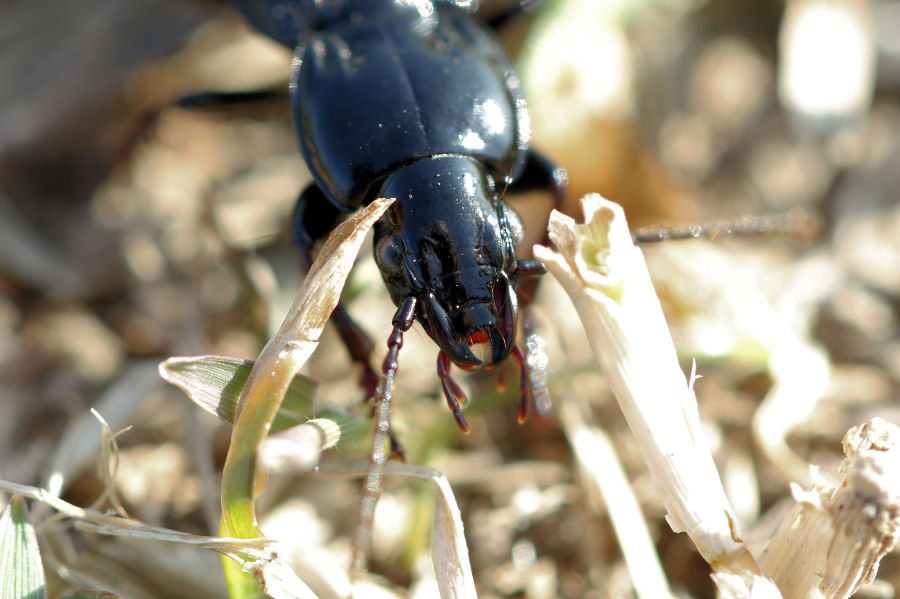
x,y
539,174
520,357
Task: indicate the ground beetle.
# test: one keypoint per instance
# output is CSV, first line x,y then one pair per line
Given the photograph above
x,y
415,99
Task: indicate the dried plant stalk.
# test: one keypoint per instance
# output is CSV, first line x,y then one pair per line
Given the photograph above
x,y
801,373
832,541
607,279
602,470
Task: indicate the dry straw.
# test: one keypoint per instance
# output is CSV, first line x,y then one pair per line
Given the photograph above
x,y
832,541
607,279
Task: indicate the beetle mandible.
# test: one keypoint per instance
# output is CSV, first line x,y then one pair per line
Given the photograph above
x,y
415,100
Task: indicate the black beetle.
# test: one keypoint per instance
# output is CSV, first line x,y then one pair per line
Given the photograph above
x,y
415,99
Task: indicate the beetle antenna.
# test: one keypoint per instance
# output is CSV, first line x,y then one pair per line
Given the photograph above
x,y
795,222
402,321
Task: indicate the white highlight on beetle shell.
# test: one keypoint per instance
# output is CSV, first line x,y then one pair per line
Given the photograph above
x,y
470,184
490,112
471,140
423,7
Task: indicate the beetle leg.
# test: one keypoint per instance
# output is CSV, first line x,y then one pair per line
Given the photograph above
x,y
536,359
359,345
501,377
452,391
314,218
529,267
521,6
539,173
542,174
519,357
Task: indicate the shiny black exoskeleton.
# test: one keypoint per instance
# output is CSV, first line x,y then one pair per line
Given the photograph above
x,y
414,99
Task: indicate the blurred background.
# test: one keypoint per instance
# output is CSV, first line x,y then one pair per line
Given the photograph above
x,y
133,228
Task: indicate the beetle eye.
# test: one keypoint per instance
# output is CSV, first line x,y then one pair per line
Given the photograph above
x,y
389,254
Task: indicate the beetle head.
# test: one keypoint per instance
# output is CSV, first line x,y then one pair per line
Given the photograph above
x,y
448,242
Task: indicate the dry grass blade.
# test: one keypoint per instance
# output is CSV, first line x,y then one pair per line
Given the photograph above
x,y
98,522
256,555
279,362
76,451
109,464
449,550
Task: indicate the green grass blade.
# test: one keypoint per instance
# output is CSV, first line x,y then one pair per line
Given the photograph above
x,y
215,383
21,569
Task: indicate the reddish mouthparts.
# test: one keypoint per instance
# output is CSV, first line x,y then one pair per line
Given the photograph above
x,y
480,344
479,337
